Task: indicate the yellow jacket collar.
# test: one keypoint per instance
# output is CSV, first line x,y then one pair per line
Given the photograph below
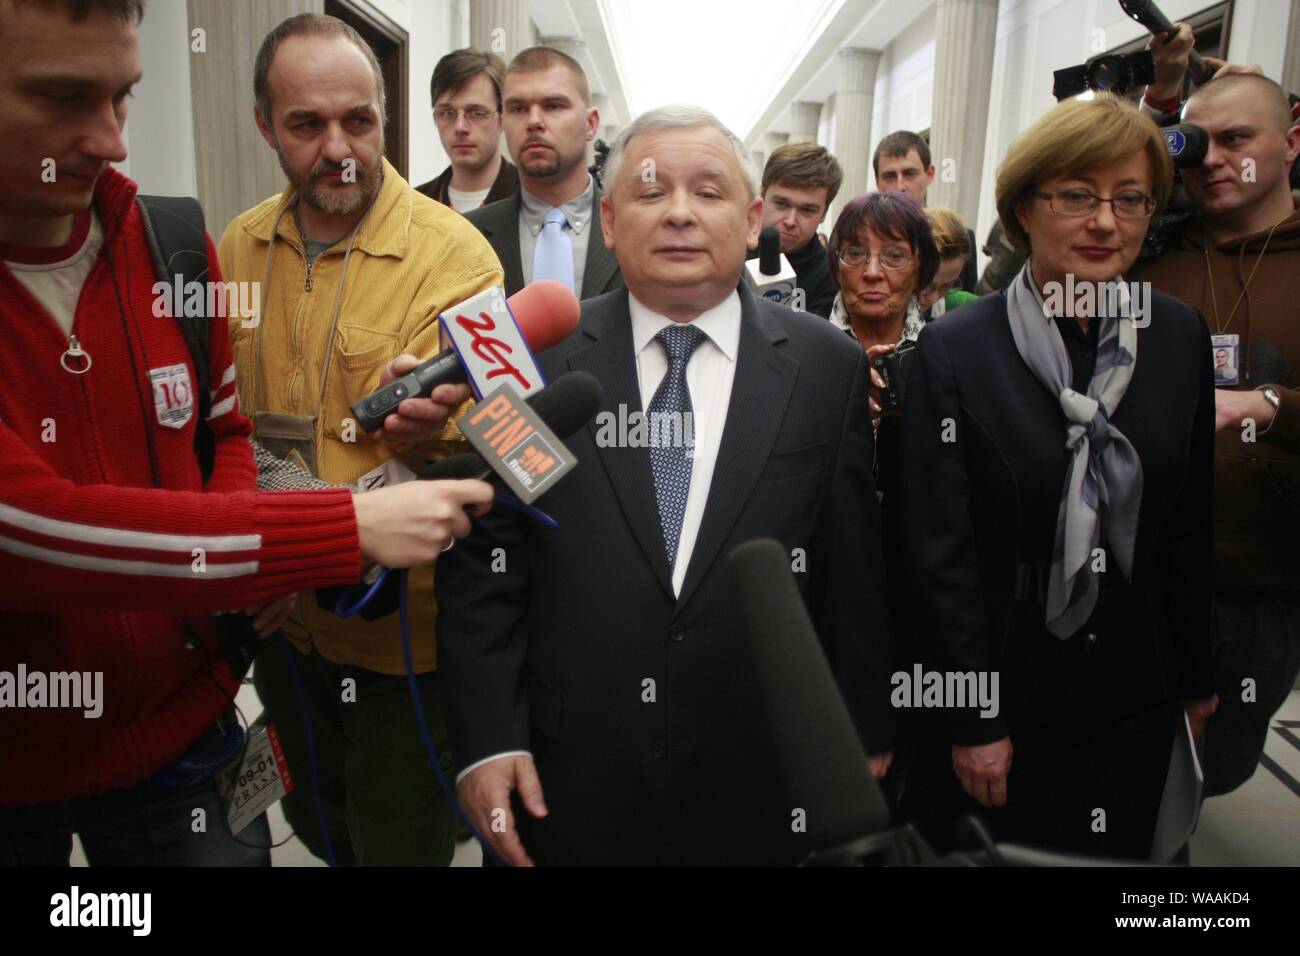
x,y
385,232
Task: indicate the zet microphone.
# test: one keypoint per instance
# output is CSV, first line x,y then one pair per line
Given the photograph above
x,y
823,766
771,274
547,313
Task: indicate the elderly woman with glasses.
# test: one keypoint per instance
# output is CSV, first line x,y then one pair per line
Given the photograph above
x,y
1057,448
882,254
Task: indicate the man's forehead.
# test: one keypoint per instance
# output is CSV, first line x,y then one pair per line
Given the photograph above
x,y
908,159
327,62
553,81
476,91
1232,107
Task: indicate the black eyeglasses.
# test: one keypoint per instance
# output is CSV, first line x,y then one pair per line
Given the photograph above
x,y
1080,202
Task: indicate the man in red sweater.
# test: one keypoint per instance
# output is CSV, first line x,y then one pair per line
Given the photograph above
x,y
113,552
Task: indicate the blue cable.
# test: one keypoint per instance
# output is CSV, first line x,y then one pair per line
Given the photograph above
x,y
343,609
311,747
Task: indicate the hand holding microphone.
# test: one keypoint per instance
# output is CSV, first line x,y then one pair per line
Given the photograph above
x,y
412,523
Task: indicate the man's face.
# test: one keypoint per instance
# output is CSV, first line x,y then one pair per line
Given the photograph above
x,y
680,227
1221,358
1244,136
796,211
326,126
547,125
469,123
63,90
905,174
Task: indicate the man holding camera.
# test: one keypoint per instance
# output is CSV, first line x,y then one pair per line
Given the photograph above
x,y
1238,262
358,267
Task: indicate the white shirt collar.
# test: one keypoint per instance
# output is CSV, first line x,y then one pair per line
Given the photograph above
x,y
720,323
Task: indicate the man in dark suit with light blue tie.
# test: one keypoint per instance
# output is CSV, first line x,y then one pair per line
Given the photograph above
x,y
599,692
550,229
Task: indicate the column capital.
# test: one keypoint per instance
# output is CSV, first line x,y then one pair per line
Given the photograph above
x,y
855,69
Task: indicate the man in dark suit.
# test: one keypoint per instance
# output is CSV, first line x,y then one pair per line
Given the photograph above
x,y
600,669
551,228
466,94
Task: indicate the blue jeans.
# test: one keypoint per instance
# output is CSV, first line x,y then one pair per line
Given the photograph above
x,y
150,824
1260,640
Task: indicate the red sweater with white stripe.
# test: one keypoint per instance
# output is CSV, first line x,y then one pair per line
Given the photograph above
x,y
99,556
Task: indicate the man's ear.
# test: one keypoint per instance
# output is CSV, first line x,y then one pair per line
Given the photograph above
x,y
593,122
1292,144
263,127
607,221
929,176
753,222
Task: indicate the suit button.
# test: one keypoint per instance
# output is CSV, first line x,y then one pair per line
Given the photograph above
x,y
1090,641
677,634
660,750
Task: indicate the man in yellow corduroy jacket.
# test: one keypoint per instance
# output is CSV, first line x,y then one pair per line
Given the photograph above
x,y
355,267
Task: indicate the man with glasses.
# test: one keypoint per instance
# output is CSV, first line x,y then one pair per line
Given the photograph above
x,y
466,96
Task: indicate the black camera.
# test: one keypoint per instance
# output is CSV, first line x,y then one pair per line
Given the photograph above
x,y
1116,73
892,367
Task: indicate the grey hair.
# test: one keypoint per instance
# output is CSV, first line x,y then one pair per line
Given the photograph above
x,y
676,117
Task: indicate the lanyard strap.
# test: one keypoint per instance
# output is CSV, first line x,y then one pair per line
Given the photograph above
x,y
334,311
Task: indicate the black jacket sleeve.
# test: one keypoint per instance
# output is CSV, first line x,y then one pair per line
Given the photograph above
x,y
1187,541
947,613
854,618
482,591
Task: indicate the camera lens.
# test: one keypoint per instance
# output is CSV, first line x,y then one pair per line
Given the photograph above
x,y
1106,74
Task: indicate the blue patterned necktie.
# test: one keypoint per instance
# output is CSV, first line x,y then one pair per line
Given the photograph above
x,y
553,257
670,463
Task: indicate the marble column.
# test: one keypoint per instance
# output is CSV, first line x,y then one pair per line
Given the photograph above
x,y
965,37
805,117
855,93
500,26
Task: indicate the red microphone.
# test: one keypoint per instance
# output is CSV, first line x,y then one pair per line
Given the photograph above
x,y
547,313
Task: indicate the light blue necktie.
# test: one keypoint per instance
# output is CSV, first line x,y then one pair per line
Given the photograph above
x,y
670,464
553,257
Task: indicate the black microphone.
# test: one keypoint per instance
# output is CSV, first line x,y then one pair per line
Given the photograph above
x,y
769,251
1187,144
565,405
823,767
1152,17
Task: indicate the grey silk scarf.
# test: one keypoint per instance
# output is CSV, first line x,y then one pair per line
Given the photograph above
x,y
1103,484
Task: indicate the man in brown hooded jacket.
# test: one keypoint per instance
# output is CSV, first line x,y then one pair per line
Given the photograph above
x,y
1238,261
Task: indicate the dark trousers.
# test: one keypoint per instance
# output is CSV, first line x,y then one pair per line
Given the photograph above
x,y
1093,792
379,798
154,823
1257,644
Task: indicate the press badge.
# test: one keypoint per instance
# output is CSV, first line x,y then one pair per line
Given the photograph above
x,y
173,396
391,472
259,780
1226,349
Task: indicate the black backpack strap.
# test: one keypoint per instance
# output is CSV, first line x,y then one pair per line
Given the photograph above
x,y
178,244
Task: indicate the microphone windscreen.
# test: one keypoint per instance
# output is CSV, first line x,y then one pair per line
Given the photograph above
x,y
769,251
568,403
957,298
547,312
822,764
469,464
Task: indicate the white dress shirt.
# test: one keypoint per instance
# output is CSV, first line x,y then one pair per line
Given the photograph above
x,y
709,377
